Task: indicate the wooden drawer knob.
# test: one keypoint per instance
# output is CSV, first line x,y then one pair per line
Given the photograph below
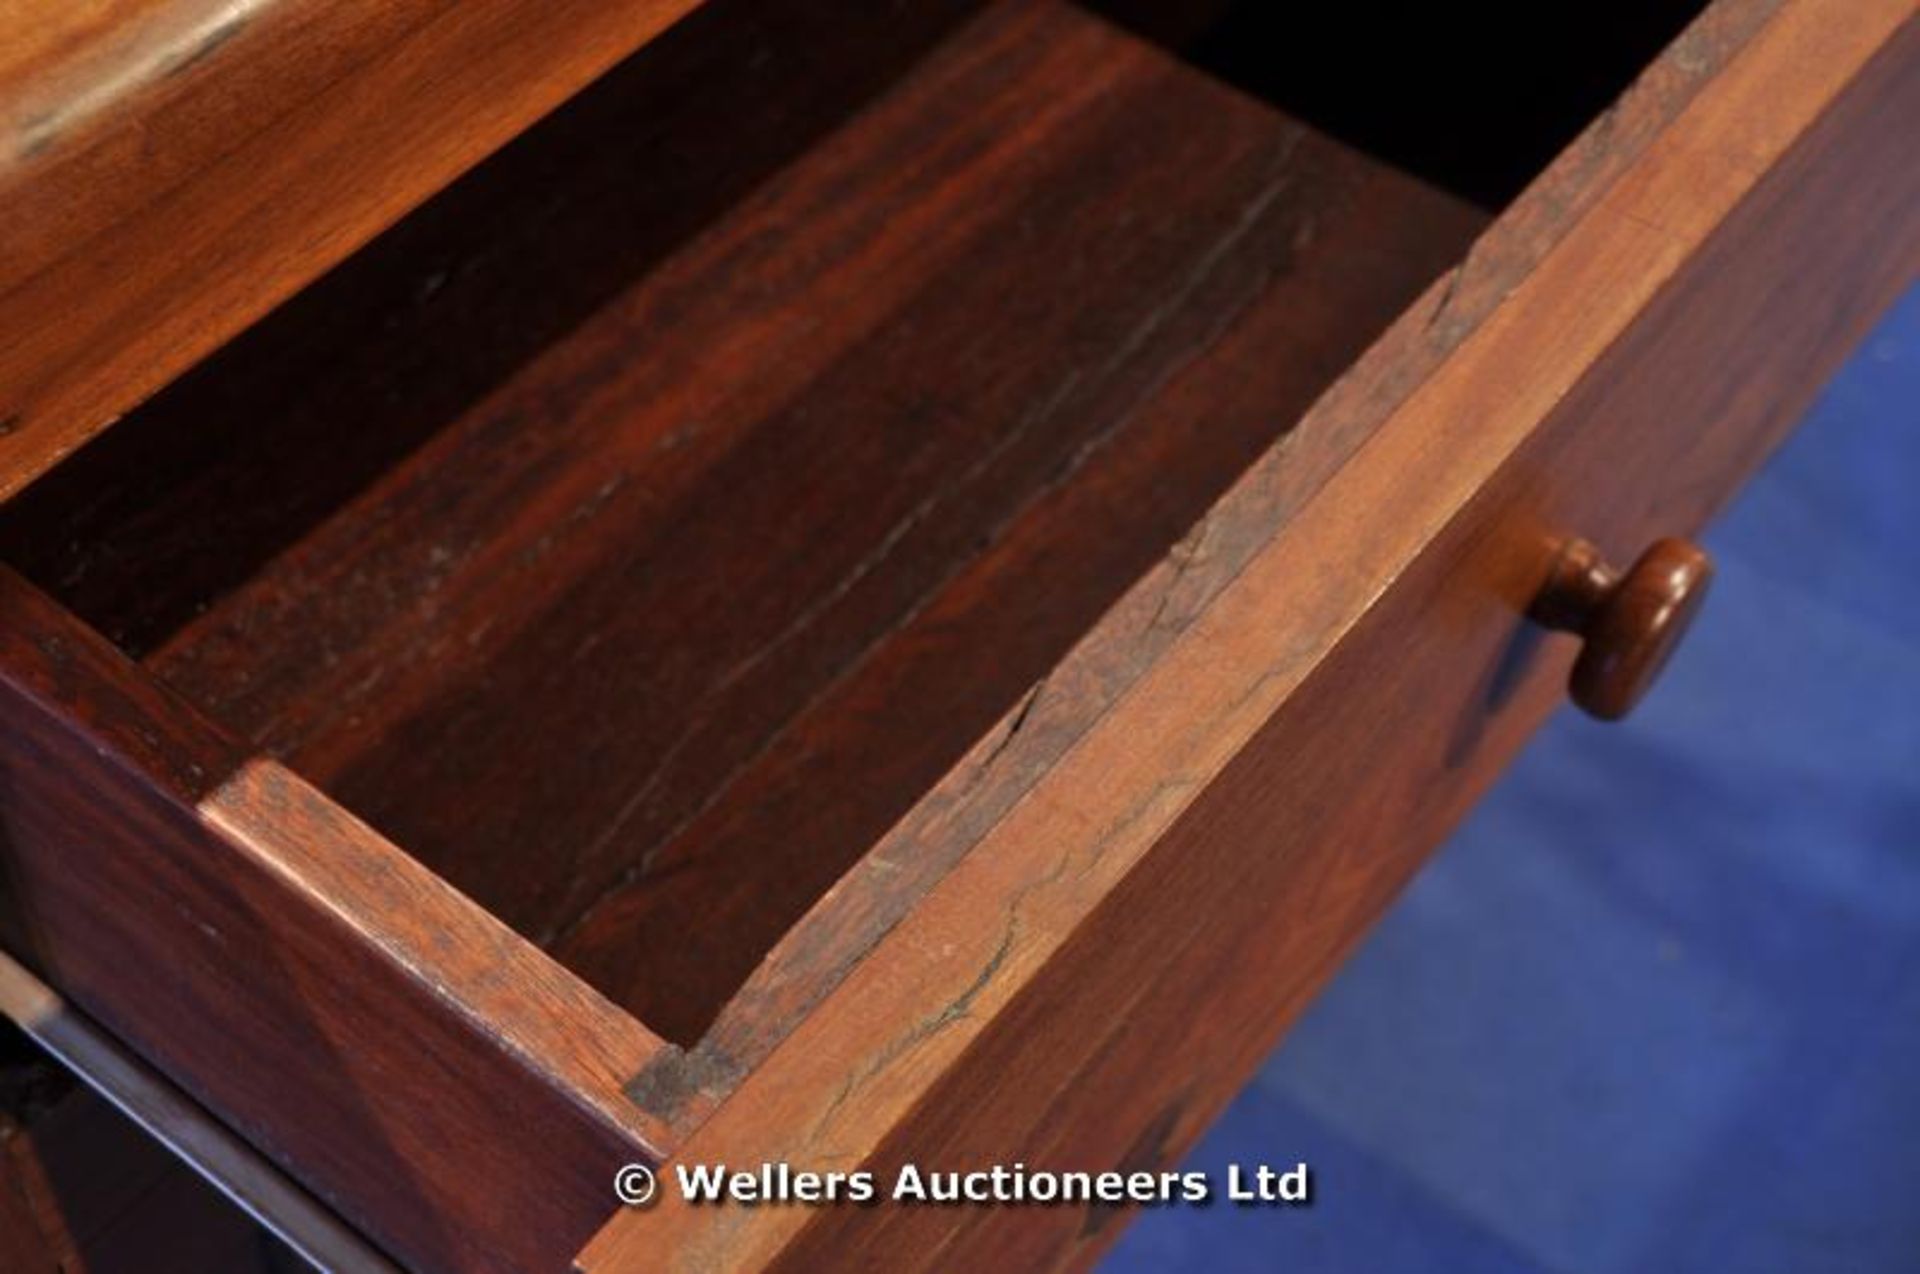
x,y
1630,622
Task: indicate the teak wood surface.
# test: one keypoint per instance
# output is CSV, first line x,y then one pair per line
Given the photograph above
x,y
172,169
845,924
1131,935
816,497
1132,882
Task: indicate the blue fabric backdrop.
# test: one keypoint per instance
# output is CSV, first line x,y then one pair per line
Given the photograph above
x,y
1656,1007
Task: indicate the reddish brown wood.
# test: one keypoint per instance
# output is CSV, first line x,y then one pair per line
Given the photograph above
x,y
543,581
1290,254
171,169
1034,735
349,1014
187,498
1129,939
700,625
1629,623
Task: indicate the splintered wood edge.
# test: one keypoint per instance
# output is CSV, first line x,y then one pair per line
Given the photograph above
x,y
855,1067
958,812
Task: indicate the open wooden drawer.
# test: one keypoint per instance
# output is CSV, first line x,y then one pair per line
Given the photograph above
x,y
894,594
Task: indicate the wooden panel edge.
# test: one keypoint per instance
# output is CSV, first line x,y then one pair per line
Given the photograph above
x,y
252,178
836,1087
683,1087
355,1019
1143,1025
493,978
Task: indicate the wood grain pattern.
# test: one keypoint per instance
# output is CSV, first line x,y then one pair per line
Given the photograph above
x,y
701,624
1032,737
1374,646
1034,914
356,1019
193,494
1237,324
171,169
141,531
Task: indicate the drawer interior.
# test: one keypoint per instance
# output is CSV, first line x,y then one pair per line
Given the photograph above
x,y
638,530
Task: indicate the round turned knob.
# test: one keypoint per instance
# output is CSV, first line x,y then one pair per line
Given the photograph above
x,y
1630,622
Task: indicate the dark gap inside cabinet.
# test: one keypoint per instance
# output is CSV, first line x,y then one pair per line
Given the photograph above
x,y
637,530
1475,98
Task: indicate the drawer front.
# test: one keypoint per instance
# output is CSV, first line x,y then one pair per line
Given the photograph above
x,y
1113,957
